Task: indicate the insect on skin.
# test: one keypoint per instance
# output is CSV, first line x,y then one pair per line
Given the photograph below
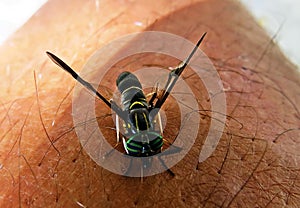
x,y
140,139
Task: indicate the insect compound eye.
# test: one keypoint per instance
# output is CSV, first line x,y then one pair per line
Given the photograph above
x,y
200,69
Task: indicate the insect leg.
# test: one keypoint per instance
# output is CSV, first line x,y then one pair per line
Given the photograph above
x,y
142,173
124,145
118,128
118,142
160,123
166,167
111,151
174,150
154,95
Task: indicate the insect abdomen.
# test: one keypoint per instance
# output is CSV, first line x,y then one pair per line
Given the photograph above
x,y
132,95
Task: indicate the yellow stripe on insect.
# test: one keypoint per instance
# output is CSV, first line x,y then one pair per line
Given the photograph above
x,y
136,103
136,122
146,120
132,87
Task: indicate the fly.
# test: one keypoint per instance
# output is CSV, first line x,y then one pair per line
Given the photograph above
x,y
140,138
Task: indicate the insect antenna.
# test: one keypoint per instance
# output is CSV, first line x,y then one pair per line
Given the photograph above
x,y
186,62
64,66
173,77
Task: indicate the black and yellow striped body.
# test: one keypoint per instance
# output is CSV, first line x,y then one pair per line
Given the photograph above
x,y
142,140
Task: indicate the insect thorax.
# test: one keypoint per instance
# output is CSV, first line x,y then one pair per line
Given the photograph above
x,y
134,102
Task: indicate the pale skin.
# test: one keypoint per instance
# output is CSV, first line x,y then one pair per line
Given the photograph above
x,y
255,164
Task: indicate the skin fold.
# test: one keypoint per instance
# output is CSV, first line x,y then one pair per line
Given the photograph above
x,y
42,164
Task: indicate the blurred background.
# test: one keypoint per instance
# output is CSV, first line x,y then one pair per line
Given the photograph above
x,y
280,17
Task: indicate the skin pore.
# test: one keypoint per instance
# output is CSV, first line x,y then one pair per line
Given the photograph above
x,y
42,164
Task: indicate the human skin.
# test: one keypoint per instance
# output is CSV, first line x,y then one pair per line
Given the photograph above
x,y
255,164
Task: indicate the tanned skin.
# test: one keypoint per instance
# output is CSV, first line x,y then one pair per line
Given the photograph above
x,y
42,163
